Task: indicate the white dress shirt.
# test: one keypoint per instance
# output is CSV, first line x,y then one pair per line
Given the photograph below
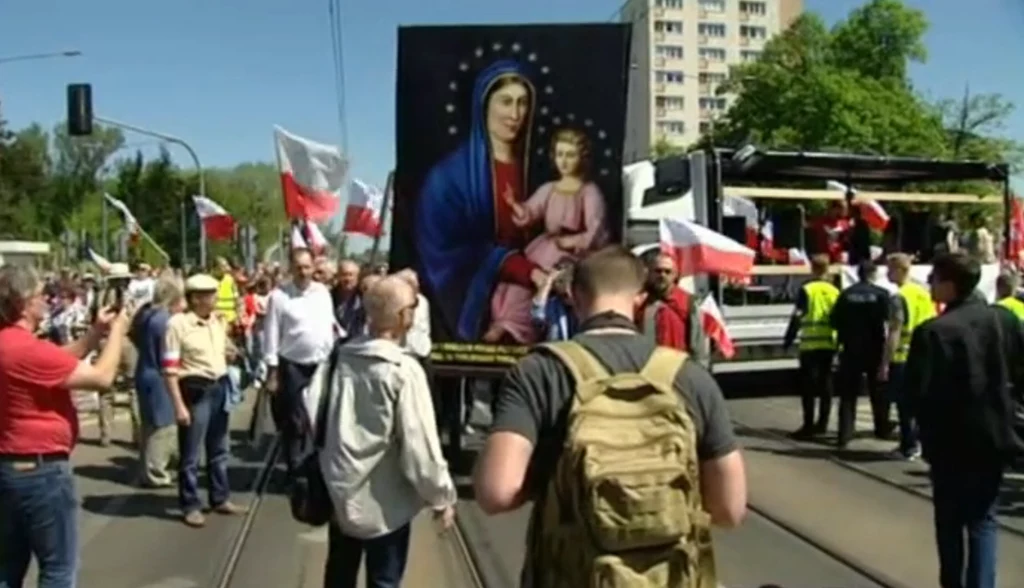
x,y
382,460
299,325
417,340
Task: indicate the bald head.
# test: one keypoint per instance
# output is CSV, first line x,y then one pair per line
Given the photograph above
x,y
369,282
388,303
409,276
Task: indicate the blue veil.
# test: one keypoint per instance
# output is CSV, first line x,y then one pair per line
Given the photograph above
x,y
455,222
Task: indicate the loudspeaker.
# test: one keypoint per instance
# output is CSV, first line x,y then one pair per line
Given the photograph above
x,y
672,175
787,228
917,234
735,227
79,110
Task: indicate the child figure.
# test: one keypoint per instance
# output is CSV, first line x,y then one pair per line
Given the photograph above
x,y
572,210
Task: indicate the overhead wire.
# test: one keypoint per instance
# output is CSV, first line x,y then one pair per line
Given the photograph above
x,y
338,56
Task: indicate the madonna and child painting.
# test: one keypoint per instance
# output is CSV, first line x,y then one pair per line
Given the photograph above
x,y
509,143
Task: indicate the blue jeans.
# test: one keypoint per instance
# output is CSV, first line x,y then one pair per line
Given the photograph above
x,y
386,557
908,426
965,499
38,509
209,430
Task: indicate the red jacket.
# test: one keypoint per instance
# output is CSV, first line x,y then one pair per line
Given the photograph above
x,y
671,320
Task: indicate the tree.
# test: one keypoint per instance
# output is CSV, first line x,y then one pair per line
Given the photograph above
x,y
78,165
665,148
24,169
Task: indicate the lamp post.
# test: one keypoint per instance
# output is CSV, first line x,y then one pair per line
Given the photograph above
x,y
184,208
35,56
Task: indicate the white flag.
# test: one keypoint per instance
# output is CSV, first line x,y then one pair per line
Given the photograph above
x,y
126,215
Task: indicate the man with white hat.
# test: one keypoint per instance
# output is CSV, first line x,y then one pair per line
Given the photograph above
x,y
195,365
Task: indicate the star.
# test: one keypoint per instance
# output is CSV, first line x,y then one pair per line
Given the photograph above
x,y
601,134
544,110
516,47
452,130
604,172
532,57
449,107
548,90
479,52
557,120
463,66
588,123
453,86
607,152
496,46
570,117
541,130
545,70
540,151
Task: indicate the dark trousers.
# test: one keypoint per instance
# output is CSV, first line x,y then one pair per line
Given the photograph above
x,y
904,410
38,509
207,403
288,410
856,371
386,557
815,387
965,498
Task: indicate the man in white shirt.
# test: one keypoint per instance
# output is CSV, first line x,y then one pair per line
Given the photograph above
x,y
381,460
299,331
140,288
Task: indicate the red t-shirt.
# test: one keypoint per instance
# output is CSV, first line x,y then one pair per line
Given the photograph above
x,y
37,414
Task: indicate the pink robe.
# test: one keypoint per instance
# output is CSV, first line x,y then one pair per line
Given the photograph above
x,y
580,215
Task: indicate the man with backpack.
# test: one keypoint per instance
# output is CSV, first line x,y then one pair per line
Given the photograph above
x,y
627,449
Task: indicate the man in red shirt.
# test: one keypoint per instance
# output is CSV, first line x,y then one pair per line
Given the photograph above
x,y
829,232
665,314
39,427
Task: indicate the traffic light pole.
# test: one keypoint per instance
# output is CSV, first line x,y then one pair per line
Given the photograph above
x,y
184,207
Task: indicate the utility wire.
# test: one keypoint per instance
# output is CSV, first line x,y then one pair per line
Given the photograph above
x,y
338,54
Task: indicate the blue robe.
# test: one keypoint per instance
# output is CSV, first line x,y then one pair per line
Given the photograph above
x,y
455,223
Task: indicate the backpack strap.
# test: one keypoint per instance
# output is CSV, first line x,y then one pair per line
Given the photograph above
x,y
663,366
581,363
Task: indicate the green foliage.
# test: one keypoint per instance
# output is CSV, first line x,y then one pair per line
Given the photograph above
x,y
665,148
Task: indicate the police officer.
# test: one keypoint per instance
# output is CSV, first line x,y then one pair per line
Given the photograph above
x,y
859,318
1006,293
817,346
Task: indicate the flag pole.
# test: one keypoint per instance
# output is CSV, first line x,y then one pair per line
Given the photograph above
x,y
158,248
389,189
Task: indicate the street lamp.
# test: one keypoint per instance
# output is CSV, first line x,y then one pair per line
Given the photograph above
x,y
35,56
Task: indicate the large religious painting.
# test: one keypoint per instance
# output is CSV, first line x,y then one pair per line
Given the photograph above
x,y
509,157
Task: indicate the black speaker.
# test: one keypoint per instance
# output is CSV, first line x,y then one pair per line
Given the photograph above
x,y
788,228
917,234
672,175
79,110
735,227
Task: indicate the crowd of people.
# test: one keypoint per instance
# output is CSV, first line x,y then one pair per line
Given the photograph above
x,y
620,438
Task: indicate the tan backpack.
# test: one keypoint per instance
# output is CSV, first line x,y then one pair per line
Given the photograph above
x,y
623,508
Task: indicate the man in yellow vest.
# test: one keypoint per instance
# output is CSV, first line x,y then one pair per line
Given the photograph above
x,y
817,346
1006,293
910,307
228,299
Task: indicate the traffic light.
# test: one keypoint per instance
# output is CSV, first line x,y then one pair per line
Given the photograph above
x,y
79,110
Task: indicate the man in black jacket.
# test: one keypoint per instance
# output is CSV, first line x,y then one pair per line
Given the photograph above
x,y
962,375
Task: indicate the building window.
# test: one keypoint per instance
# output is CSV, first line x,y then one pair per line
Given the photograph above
x,y
668,3
748,55
668,26
712,104
671,77
671,127
711,77
757,8
669,51
712,53
705,127
713,5
749,32
670,102
707,29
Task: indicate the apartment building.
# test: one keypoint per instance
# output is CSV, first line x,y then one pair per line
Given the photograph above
x,y
681,51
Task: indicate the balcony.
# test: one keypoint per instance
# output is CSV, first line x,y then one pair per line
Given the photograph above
x,y
705,89
659,87
703,13
660,112
744,41
703,64
659,37
744,17
703,40
658,12
707,114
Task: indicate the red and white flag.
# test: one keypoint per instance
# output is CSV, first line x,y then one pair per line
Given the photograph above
x,y
217,223
699,250
768,239
306,235
130,223
713,323
363,214
312,176
1016,245
739,206
797,257
871,211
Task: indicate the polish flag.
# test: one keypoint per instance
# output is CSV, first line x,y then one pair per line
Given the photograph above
x,y
699,250
312,176
797,257
130,223
217,223
306,235
768,239
1016,244
363,214
739,206
713,323
871,211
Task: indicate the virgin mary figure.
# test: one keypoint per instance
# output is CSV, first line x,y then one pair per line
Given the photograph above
x,y
465,235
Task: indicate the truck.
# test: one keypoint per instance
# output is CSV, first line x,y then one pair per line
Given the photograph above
x,y
698,185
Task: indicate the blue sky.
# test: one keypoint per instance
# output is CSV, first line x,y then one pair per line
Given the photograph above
x,y
220,73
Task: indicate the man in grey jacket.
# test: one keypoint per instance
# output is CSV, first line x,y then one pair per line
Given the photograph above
x,y
381,459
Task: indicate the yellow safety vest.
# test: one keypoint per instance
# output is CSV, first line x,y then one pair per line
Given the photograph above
x,y
1014,305
920,308
227,299
815,331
